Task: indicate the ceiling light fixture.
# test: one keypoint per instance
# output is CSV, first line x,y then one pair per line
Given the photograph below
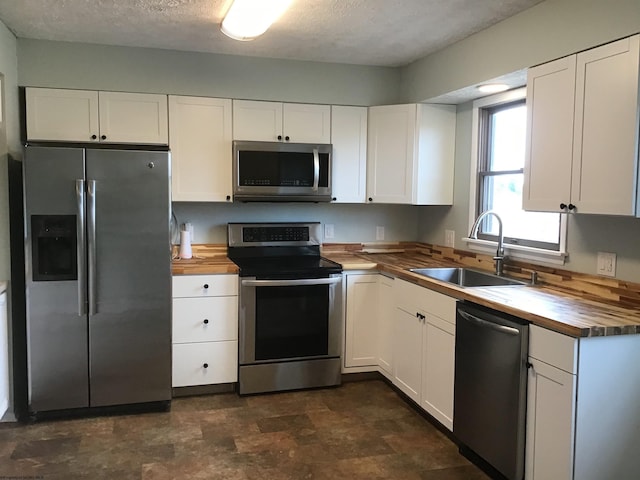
x,y
493,87
248,19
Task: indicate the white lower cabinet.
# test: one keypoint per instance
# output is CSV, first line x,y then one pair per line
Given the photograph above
x,y
386,309
424,349
361,327
581,407
205,329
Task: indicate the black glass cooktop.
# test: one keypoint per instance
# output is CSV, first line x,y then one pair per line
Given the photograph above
x,y
276,267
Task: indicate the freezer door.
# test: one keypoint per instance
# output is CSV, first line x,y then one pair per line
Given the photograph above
x,y
128,205
56,315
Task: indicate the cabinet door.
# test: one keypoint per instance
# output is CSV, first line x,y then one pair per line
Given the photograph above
x,y
407,353
551,394
438,369
200,139
258,121
305,123
361,340
204,363
386,312
205,319
391,149
62,115
605,153
349,161
549,144
133,118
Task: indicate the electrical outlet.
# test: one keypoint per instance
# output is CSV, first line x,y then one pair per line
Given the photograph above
x,y
606,264
449,238
328,230
379,233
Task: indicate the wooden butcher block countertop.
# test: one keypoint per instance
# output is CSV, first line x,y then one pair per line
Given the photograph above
x,y
574,304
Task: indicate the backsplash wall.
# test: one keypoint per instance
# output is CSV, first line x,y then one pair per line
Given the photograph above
x,y
352,222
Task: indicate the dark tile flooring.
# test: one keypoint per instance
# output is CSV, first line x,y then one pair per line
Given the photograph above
x,y
361,430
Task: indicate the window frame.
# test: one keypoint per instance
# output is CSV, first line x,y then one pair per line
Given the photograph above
x,y
486,243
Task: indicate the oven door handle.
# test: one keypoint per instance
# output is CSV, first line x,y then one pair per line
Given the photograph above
x,y
291,283
316,169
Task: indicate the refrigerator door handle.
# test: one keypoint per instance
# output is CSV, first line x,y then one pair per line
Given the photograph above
x,y
91,244
81,249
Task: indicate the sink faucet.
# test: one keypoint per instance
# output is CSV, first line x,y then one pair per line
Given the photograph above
x,y
499,256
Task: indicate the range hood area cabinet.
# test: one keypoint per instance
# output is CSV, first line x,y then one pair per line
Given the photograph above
x,y
411,154
281,122
582,132
62,115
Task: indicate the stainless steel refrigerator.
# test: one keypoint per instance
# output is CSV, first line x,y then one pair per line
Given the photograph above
x,y
98,277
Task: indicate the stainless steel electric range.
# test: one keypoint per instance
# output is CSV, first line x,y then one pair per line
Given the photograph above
x,y
290,307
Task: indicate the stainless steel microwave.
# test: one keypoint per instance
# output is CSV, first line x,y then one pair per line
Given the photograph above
x,y
281,172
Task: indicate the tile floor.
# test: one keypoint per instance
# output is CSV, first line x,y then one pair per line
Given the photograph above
x,y
361,430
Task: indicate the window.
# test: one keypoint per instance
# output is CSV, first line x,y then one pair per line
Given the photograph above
x,y
500,123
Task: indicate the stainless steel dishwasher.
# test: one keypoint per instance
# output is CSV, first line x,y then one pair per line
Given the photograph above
x,y
491,387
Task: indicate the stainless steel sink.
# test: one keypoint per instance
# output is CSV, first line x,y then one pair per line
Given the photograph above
x,y
466,277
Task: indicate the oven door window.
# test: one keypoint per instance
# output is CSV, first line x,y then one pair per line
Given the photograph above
x,y
291,322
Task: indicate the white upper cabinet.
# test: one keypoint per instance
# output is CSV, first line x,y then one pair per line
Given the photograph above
x,y
133,118
582,137
349,161
411,154
550,107
63,115
91,116
281,122
200,140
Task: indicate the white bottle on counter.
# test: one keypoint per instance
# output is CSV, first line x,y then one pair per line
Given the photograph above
x,y
185,244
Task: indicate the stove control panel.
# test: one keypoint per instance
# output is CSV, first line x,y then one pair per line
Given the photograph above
x,y
273,234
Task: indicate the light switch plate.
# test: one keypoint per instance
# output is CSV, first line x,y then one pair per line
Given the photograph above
x,y
449,238
329,230
606,264
379,233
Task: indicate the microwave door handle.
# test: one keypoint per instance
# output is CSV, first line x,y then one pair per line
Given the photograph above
x,y
316,169
81,249
291,283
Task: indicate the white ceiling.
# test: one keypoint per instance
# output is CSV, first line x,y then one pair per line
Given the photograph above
x,y
365,32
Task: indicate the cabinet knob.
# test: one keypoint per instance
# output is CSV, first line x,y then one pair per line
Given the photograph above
x,y
93,137
563,206
286,138
206,285
333,199
279,137
572,206
206,365
206,321
228,197
370,199
103,137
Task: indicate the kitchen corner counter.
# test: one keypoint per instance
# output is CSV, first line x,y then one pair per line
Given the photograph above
x,y
564,311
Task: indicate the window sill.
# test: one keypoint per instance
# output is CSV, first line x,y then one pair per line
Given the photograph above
x,y
518,252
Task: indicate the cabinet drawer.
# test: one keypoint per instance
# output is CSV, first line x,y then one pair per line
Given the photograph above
x,y
205,319
204,285
189,360
553,348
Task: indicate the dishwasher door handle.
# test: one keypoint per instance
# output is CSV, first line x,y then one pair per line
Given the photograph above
x,y
484,323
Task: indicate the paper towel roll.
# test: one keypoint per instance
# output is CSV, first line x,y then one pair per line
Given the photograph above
x,y
185,244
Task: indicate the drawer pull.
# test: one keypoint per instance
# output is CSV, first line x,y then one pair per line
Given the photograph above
x,y
206,365
206,285
206,320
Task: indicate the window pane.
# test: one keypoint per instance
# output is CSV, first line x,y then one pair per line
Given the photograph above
x,y
503,194
507,138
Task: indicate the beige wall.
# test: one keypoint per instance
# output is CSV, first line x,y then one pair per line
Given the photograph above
x,y
549,30
100,67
